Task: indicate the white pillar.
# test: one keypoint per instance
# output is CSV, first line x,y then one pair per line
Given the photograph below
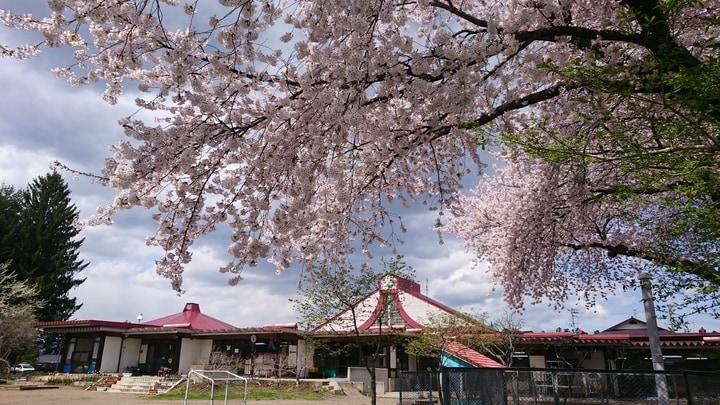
x,y
654,338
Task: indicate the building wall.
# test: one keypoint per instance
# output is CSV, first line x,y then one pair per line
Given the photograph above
x,y
194,351
111,354
537,361
586,359
130,356
344,321
419,310
415,308
594,360
303,356
361,375
452,361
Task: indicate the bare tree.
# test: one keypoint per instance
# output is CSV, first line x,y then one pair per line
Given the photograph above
x,y
497,338
501,343
334,301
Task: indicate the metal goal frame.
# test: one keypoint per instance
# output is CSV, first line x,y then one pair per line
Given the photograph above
x,y
214,376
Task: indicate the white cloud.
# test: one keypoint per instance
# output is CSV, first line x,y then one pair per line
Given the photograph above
x,y
18,165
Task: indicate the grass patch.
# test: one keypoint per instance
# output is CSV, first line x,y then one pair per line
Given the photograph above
x,y
256,390
71,381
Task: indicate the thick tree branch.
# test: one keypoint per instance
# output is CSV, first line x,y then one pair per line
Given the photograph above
x,y
702,269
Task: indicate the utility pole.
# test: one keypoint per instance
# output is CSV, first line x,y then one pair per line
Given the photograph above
x,y
654,338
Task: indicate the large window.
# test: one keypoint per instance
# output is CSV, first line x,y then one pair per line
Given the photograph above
x,y
83,353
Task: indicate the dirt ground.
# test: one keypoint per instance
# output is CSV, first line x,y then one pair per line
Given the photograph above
x,y
74,395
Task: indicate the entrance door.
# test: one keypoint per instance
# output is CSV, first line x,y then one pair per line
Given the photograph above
x,y
160,355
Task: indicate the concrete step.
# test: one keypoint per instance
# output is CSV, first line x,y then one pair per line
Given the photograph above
x,y
141,385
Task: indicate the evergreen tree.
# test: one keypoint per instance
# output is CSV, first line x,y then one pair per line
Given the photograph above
x,y
9,219
46,250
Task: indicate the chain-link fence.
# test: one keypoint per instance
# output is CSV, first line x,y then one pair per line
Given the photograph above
x,y
419,387
467,386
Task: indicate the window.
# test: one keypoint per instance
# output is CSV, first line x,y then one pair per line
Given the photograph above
x,y
391,315
83,353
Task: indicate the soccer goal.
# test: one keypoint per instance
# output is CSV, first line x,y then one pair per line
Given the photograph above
x,y
215,376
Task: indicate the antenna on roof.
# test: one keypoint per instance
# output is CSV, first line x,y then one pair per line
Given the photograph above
x,y
573,312
427,282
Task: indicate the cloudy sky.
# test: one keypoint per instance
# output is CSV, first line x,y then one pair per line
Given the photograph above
x,y
44,119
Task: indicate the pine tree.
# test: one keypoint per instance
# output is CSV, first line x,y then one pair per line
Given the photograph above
x,y
46,251
9,220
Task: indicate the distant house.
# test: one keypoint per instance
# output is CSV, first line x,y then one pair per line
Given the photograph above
x,y
620,347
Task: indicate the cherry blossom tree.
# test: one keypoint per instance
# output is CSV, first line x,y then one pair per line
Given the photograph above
x,y
300,123
556,231
18,301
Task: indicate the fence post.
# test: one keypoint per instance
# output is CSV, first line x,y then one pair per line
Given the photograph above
x,y
503,388
432,385
444,387
688,395
402,384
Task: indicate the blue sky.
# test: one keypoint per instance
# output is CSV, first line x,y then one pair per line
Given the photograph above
x,y
44,119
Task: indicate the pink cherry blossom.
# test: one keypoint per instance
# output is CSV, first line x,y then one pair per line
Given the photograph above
x,y
299,123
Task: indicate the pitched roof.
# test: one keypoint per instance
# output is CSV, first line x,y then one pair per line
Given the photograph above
x,y
470,356
398,289
631,325
190,318
624,337
89,324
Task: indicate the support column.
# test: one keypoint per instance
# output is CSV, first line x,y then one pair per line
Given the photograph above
x,y
654,338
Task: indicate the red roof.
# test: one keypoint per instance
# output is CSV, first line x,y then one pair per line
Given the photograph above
x,y
470,356
631,337
190,318
87,323
410,325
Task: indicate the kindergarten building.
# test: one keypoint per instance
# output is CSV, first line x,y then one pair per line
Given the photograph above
x,y
191,339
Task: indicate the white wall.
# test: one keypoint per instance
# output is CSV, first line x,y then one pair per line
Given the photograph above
x,y
361,375
304,353
193,351
412,362
419,310
110,354
363,312
130,353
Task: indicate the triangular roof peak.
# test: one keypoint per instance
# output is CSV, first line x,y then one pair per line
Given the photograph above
x,y
407,308
393,282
